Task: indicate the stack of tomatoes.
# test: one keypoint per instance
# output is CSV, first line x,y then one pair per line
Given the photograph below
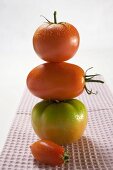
x,y
58,117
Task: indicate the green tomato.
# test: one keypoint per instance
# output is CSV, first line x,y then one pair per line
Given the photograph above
x,y
62,122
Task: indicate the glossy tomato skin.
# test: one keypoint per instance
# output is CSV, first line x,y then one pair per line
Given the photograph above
x,y
56,81
48,152
56,42
62,122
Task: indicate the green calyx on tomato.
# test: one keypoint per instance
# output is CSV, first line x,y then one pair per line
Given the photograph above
x,y
65,157
55,19
61,122
89,78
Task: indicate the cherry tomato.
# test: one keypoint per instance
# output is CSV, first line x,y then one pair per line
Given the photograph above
x,y
56,81
48,152
56,42
61,122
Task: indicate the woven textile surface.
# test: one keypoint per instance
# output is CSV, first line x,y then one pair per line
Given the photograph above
x,y
93,151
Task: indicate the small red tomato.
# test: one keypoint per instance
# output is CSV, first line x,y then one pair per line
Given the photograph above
x,y
48,152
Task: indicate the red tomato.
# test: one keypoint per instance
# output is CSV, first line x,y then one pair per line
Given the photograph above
x,y
48,152
56,42
56,81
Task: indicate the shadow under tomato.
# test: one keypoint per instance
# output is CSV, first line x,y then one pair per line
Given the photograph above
x,y
84,154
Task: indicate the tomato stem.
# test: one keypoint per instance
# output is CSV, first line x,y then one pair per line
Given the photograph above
x,y
88,69
92,75
89,91
46,19
97,81
56,101
65,157
55,20
89,78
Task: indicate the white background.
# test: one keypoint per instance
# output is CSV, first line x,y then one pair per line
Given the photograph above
x,y
18,21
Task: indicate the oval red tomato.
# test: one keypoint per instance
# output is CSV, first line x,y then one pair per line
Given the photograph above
x,y
48,152
56,81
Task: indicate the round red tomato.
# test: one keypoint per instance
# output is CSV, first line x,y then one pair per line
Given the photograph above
x,y
56,42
